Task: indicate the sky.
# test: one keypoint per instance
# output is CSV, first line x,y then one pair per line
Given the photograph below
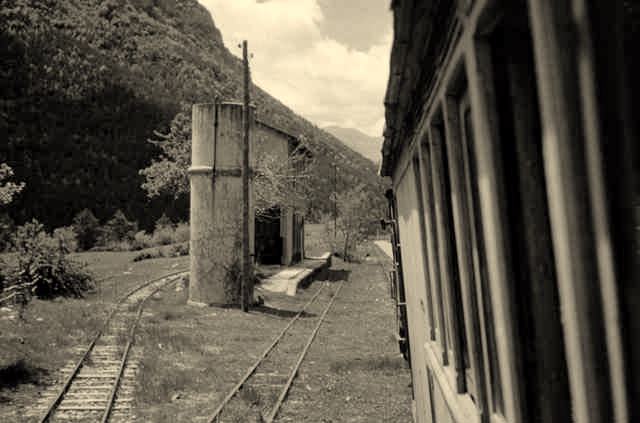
x,y
328,60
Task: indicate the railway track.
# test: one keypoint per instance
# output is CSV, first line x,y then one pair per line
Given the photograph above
x,y
260,393
93,388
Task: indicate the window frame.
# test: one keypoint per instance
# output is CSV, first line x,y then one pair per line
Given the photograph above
x,y
430,315
493,385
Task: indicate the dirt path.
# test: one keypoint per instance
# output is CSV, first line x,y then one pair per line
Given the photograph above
x,y
354,372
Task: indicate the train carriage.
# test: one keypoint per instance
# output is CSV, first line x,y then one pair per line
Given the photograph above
x,y
511,146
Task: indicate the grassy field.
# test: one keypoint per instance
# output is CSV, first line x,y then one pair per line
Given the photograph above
x,y
32,349
354,372
193,356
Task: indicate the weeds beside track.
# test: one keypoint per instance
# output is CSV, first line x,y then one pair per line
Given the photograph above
x,y
90,391
264,388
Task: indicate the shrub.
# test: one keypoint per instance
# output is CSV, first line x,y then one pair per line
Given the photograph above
x,y
7,226
8,190
124,245
118,229
163,236
146,255
141,240
166,234
66,235
3,277
163,222
355,220
43,267
183,232
87,229
178,250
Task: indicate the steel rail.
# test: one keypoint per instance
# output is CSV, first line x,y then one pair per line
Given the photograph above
x,y
67,384
252,369
274,412
125,354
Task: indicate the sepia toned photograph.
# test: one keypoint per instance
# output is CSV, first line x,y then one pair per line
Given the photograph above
x,y
320,211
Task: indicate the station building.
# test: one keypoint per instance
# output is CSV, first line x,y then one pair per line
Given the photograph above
x,y
279,232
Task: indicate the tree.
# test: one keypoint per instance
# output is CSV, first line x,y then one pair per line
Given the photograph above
x,y
168,174
285,183
87,229
164,222
90,79
7,227
8,189
119,228
357,216
43,268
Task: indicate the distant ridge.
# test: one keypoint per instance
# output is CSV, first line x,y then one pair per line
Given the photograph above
x,y
358,141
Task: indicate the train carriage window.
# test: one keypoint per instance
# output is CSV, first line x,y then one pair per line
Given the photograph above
x,y
472,385
439,324
444,308
537,354
479,260
456,312
421,216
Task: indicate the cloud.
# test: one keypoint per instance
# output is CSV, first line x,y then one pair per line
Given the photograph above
x,y
324,80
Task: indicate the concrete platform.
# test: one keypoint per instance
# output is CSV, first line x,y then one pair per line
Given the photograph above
x,y
288,279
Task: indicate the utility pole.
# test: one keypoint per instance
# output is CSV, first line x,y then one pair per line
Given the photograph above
x,y
335,202
246,283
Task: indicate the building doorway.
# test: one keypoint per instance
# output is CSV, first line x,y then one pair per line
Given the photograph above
x,y
268,241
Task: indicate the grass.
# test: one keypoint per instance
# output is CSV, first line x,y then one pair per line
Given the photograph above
x,y
54,332
198,354
116,273
192,356
354,372
386,364
33,349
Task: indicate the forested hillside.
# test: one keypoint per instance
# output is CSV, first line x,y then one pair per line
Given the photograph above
x,y
85,83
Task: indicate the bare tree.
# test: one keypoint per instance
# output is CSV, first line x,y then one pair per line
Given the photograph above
x,y
284,182
357,215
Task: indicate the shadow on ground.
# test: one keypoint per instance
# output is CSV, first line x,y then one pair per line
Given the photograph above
x,y
337,275
278,312
19,373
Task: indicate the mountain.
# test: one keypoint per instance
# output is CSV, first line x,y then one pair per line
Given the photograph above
x,y
85,83
358,141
